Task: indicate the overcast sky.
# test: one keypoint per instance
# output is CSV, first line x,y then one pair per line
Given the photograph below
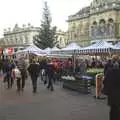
x,y
30,11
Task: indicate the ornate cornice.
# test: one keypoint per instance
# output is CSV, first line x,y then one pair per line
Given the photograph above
x,y
97,6
21,30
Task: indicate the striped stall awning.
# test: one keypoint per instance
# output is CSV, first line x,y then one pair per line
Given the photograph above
x,y
51,50
32,49
55,50
117,45
98,48
71,48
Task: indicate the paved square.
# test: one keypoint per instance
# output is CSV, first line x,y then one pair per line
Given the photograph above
x,y
46,105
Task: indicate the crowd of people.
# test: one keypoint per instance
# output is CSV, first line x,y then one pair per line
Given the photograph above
x,y
51,70
20,69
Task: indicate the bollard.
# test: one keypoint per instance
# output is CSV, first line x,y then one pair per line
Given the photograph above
x,y
99,83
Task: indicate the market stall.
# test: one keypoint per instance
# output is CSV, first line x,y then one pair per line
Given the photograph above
x,y
30,51
99,48
70,49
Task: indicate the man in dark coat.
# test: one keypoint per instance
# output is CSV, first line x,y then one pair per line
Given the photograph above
x,y
34,70
112,89
50,74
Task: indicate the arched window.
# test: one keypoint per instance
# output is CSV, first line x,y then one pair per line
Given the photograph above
x,y
93,29
94,23
74,26
102,21
111,27
110,20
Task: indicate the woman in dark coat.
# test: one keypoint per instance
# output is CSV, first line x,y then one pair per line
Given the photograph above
x,y
112,89
6,71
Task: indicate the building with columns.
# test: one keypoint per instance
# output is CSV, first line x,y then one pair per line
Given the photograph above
x,y
98,21
21,37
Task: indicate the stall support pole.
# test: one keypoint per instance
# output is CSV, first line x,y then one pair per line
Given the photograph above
x,y
74,61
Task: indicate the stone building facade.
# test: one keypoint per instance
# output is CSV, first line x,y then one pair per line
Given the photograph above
x,y
21,37
99,21
61,38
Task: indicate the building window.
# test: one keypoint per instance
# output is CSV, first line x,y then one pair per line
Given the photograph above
x,y
26,39
75,35
21,40
94,23
111,20
16,41
60,40
74,26
102,21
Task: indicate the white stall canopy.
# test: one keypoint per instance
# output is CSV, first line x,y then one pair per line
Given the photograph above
x,y
117,45
32,49
71,48
47,50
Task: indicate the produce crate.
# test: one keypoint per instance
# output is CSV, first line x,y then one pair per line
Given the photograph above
x,y
83,85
